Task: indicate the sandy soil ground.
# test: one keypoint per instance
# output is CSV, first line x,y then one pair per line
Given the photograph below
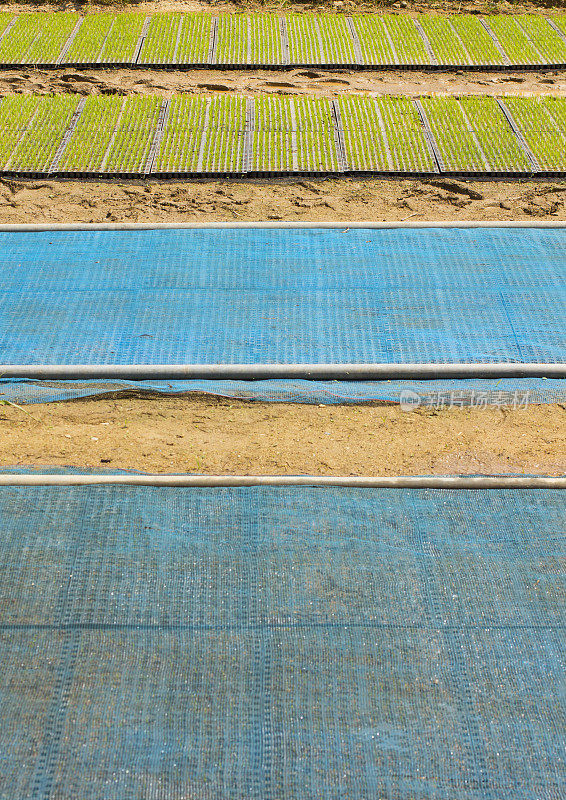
x,y
338,199
298,81
210,435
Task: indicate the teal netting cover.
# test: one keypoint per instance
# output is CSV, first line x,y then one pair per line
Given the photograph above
x,y
282,644
506,392
282,296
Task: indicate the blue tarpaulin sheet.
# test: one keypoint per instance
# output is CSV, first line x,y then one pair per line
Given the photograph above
x,y
282,644
283,296
508,392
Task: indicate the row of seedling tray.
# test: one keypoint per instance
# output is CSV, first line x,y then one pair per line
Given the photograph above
x,y
182,40
190,135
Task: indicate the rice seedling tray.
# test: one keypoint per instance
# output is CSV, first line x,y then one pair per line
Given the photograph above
x,y
463,132
192,40
227,135
540,124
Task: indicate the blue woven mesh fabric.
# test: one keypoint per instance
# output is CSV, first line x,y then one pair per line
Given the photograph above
x,y
282,644
509,392
261,296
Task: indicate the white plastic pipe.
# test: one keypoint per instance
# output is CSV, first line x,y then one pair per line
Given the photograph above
x,y
216,481
345,226
251,372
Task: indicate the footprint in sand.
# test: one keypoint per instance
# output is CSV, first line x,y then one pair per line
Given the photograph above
x,y
279,85
215,87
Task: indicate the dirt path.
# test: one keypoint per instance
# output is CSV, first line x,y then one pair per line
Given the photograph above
x,y
226,436
319,83
338,199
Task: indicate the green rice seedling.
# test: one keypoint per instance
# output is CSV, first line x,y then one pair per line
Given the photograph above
x,y
556,108
89,142
187,111
55,31
273,151
256,38
5,18
405,133
365,150
336,39
180,153
444,40
223,150
265,39
232,39
89,41
37,147
472,135
16,112
494,135
543,36
183,135
37,38
304,40
195,39
316,151
228,112
16,43
134,136
454,136
477,41
160,44
374,38
406,39
123,37
542,130
274,113
364,135
223,145
301,123
512,38
313,113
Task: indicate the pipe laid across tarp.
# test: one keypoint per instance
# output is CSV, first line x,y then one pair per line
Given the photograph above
x,y
346,481
253,372
39,227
